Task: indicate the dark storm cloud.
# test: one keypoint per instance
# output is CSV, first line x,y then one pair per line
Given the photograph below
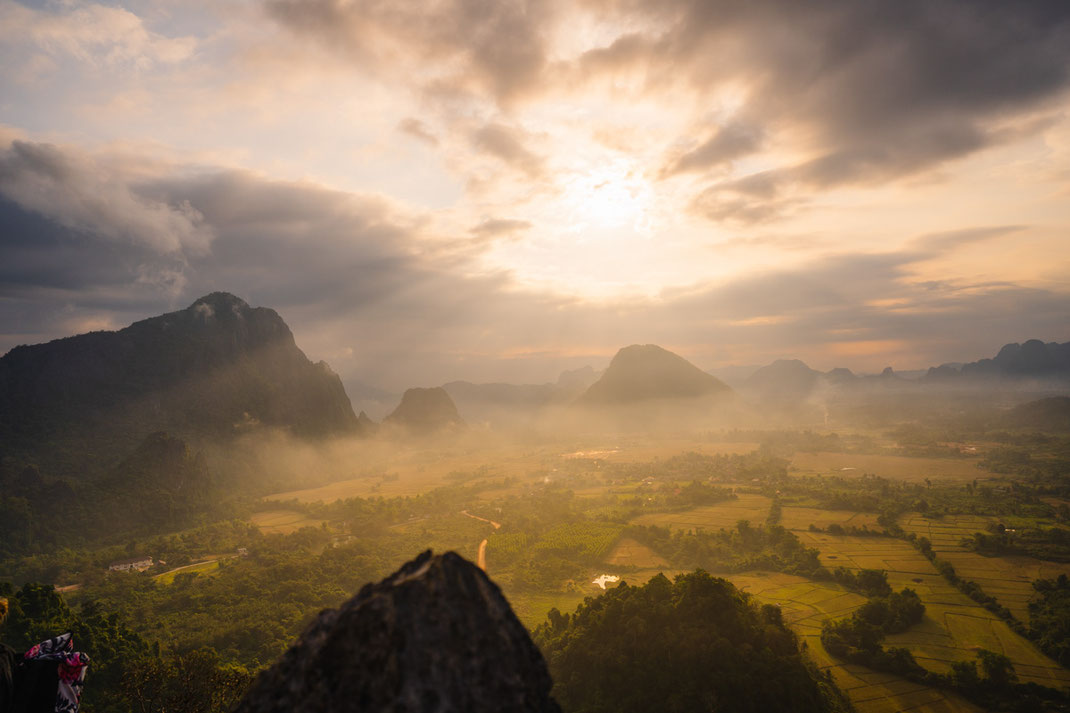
x,y
885,88
83,193
493,47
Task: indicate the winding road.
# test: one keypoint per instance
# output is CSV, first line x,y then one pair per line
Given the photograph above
x,y
481,558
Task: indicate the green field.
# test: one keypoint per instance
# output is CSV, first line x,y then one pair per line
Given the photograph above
x,y
1008,578
806,605
909,469
954,625
723,515
282,522
198,568
629,553
799,518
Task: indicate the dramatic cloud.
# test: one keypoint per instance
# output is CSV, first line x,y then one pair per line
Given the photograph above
x,y
457,45
498,190
86,194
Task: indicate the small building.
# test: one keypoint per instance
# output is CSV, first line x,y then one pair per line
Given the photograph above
x,y
243,551
139,564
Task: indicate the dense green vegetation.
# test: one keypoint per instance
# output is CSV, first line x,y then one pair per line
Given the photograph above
x,y
689,645
1047,543
1049,618
746,547
127,672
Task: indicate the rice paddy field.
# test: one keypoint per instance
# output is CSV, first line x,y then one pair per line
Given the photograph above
x,y
909,469
800,518
1008,578
282,522
629,553
805,605
197,568
954,625
725,515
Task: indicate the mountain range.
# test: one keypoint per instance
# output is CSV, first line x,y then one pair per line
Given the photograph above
x,y
220,367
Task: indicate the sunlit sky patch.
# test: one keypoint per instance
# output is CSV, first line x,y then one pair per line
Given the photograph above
x,y
496,191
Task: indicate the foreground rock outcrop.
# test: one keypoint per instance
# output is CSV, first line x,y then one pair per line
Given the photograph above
x,y
437,635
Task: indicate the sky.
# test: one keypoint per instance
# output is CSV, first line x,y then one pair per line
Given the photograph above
x,y
497,190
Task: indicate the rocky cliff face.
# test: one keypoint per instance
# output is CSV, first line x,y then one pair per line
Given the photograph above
x,y
436,636
206,370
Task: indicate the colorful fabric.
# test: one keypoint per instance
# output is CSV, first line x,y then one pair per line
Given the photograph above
x,y
72,667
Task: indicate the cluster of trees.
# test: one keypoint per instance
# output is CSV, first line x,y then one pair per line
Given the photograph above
x,y
834,528
1047,543
867,582
160,486
733,467
968,587
858,638
745,547
1049,618
670,496
128,675
696,643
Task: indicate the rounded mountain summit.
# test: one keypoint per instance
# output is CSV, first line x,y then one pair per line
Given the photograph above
x,y
646,372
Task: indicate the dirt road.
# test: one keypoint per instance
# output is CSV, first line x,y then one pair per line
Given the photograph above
x,y
481,557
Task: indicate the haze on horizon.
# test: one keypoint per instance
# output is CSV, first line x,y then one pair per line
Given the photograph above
x,y
496,191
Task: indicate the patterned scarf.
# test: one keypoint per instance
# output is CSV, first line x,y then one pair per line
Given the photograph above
x,y
72,668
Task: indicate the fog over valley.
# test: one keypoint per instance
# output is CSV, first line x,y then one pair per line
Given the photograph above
x,y
561,356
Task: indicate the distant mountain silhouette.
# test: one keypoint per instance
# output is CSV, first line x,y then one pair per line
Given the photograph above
x,y
647,372
212,369
840,376
785,380
1031,360
577,379
502,404
425,411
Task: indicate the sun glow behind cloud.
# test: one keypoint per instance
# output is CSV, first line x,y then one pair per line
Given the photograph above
x,y
764,175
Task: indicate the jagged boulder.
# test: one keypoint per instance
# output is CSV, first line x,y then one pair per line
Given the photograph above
x,y
437,635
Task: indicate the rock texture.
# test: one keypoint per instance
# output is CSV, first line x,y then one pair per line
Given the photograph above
x,y
436,636
425,411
